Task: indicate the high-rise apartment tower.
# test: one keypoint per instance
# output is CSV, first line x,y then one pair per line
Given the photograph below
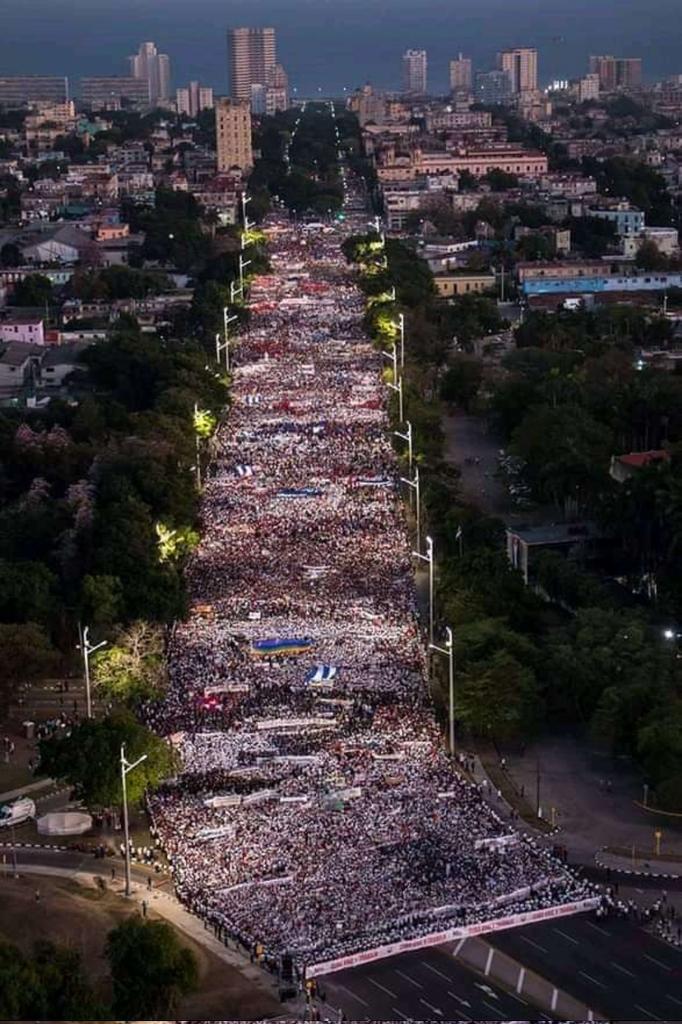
x,y
521,64
414,72
252,57
154,68
461,78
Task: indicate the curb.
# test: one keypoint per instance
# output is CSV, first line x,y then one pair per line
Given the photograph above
x,y
634,873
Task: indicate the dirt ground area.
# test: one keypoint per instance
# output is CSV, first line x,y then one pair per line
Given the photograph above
x,y
81,917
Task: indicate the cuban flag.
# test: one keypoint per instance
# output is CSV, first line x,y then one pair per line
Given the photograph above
x,y
243,471
281,646
321,674
251,399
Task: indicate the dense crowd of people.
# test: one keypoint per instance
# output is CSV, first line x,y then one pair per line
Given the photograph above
x,y
317,811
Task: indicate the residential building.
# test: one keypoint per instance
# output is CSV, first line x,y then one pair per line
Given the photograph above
x,y
154,68
414,72
22,90
193,98
627,219
277,90
521,64
461,74
624,467
233,134
19,366
463,283
252,59
513,160
27,330
60,361
588,88
493,88
112,92
617,73
604,283
258,105
629,73
370,106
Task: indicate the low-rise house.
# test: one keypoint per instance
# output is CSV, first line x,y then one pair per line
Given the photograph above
x,y
624,467
450,285
19,367
27,330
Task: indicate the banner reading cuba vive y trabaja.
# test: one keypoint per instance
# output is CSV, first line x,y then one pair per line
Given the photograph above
x,y
437,938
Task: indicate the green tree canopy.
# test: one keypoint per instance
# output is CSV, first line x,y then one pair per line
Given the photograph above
x,y
133,668
150,969
88,758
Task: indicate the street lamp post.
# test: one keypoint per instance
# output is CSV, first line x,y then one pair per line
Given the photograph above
x,y
398,388
401,328
428,557
126,768
224,346
87,648
407,436
449,652
245,220
197,443
243,264
416,487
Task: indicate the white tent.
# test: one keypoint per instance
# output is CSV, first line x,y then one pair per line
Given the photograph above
x,y
64,823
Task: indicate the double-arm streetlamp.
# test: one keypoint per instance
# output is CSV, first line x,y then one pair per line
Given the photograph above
x,y
398,388
407,437
87,648
428,557
126,768
416,487
224,346
449,652
401,328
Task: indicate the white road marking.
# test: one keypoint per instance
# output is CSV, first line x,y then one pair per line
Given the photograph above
x,y
408,978
464,1002
569,938
659,963
647,1012
433,1008
487,989
593,980
495,1009
353,995
377,984
399,1014
596,928
674,1000
623,970
522,938
435,970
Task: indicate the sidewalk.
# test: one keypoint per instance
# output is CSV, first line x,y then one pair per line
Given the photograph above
x,y
593,796
167,906
31,787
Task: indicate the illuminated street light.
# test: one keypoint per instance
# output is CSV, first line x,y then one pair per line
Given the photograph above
x,y
87,648
126,768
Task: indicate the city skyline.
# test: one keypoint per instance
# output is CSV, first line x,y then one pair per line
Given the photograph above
x,y
341,56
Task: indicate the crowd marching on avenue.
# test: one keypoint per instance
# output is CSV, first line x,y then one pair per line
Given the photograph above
x,y
317,811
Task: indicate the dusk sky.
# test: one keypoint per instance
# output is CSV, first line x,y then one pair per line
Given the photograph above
x,y
335,43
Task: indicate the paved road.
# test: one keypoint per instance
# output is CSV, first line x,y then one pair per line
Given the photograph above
x,y
611,964
426,985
